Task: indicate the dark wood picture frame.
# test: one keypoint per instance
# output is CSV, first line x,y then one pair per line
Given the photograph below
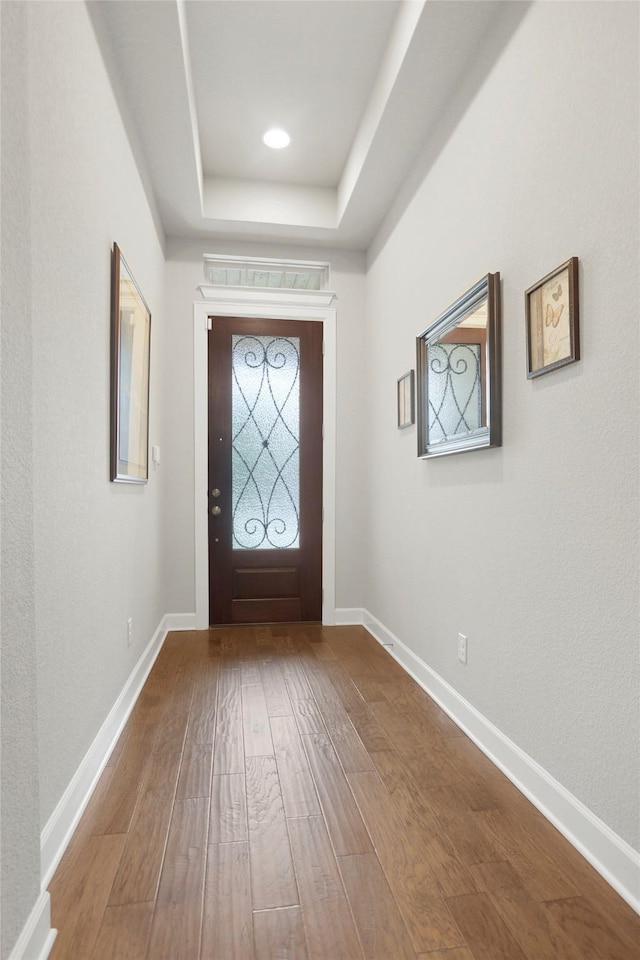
x,y
406,400
130,362
553,332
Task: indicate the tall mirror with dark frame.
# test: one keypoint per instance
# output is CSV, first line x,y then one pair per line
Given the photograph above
x,y
459,391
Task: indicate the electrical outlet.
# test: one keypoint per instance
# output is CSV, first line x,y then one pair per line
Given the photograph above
x,y
129,631
462,648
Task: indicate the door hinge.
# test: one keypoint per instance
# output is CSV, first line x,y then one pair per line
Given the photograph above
x,y
323,348
209,323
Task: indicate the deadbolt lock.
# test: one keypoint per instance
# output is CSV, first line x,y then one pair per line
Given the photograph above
x,y
215,492
216,511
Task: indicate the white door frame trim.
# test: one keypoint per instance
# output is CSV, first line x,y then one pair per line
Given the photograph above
x,y
277,305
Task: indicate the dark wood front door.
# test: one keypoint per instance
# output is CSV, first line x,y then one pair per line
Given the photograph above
x,y
265,470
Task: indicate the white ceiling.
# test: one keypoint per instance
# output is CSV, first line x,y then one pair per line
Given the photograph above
x,y
359,85
257,65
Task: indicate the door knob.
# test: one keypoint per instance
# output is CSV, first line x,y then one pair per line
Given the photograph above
x,y
216,511
215,492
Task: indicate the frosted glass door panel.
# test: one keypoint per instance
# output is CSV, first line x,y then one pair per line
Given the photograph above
x,y
455,394
265,423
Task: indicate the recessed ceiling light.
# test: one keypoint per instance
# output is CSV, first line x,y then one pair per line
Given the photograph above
x,y
276,138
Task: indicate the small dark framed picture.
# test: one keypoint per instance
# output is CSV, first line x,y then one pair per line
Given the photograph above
x,y
130,356
406,400
553,322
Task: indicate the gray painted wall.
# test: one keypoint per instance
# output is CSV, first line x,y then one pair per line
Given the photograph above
x,y
97,544
79,554
530,550
20,827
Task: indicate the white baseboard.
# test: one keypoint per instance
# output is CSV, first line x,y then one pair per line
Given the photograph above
x,y
348,616
37,937
180,621
614,859
64,819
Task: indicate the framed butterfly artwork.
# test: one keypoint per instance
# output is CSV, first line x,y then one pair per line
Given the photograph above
x,y
553,329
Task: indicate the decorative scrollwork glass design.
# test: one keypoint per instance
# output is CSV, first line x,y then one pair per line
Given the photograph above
x,y
459,402
455,393
265,442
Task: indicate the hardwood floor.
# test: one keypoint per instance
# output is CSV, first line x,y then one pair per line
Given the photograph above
x,y
289,792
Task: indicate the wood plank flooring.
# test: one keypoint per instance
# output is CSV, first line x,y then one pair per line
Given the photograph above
x,y
289,792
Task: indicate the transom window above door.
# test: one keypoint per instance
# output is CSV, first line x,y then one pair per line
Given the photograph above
x,y
266,273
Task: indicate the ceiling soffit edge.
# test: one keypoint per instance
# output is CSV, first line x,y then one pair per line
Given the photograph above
x,y
191,100
404,28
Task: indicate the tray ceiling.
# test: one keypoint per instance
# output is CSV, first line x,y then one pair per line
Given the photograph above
x,y
360,85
